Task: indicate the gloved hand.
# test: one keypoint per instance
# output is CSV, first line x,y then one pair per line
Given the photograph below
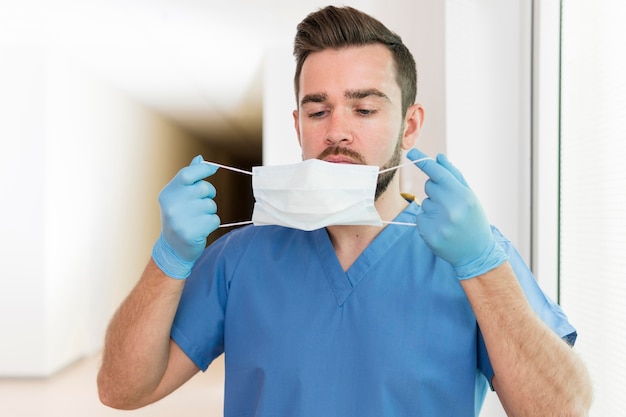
x,y
453,223
187,218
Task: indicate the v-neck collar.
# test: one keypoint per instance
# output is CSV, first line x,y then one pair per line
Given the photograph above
x,y
343,283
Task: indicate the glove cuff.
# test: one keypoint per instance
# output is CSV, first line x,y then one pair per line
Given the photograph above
x,y
491,257
170,263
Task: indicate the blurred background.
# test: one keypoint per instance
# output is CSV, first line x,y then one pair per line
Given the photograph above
x,y
102,102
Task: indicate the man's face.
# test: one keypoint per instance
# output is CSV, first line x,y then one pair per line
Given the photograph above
x,y
350,106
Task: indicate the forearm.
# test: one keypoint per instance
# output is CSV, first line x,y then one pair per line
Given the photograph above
x,y
137,342
536,373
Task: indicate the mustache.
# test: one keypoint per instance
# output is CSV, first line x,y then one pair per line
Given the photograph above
x,y
338,150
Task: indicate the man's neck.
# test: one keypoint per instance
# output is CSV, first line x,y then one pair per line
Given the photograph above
x,y
350,241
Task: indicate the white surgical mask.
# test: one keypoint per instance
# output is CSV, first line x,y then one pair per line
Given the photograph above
x,y
313,194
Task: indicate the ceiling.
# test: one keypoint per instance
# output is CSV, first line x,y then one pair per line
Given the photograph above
x,y
198,63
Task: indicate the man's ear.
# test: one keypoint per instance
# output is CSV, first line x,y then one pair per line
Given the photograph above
x,y
296,123
413,123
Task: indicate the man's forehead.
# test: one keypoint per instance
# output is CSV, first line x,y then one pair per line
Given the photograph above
x,y
349,71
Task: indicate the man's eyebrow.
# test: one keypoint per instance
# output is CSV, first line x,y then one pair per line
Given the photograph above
x,y
359,94
349,94
313,98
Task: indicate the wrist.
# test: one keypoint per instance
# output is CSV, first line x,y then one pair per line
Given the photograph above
x,y
168,262
492,257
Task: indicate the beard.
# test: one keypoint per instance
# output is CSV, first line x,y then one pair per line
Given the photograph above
x,y
385,178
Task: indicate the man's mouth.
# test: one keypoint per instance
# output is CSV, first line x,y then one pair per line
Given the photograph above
x,y
339,159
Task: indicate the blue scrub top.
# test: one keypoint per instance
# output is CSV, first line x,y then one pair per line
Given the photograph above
x,y
393,336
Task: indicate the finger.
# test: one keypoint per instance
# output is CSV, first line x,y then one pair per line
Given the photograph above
x,y
202,207
208,223
195,172
433,169
445,162
198,159
425,226
203,189
415,154
443,190
428,205
430,188
209,206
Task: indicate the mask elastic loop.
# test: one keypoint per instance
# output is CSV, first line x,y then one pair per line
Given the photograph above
x,y
242,171
235,224
250,222
405,164
400,223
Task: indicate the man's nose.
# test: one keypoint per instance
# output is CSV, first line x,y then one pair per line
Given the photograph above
x,y
339,130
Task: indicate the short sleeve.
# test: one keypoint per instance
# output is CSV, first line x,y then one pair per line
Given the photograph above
x,y
198,327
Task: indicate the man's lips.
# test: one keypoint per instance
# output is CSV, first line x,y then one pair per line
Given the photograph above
x,y
339,159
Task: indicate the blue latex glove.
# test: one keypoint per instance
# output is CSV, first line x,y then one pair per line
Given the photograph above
x,y
453,223
188,216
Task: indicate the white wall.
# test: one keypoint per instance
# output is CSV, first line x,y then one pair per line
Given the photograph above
x,y
81,167
280,142
22,159
488,96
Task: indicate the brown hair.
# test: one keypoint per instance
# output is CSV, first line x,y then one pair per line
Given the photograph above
x,y
340,27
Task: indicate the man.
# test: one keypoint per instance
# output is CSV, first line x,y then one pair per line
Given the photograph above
x,y
346,320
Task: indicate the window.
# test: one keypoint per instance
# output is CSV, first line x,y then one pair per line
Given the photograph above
x,y
592,191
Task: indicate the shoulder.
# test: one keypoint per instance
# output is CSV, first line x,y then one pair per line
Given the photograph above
x,y
251,239
246,251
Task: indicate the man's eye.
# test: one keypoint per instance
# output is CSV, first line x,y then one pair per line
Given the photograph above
x,y
317,114
365,112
